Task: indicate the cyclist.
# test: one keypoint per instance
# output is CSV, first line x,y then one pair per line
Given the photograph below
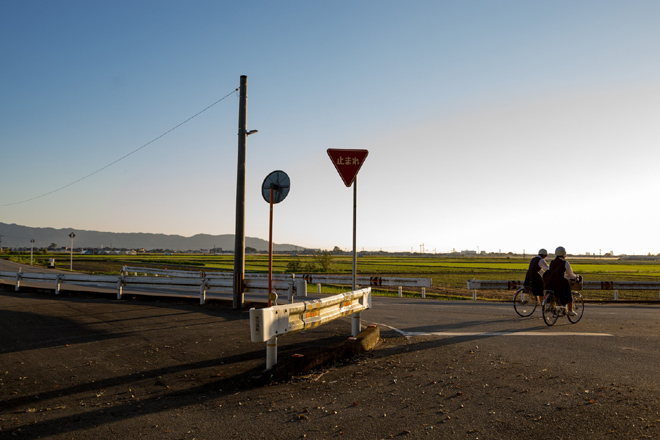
x,y
533,278
556,279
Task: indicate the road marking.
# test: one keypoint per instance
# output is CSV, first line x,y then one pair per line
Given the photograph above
x,y
509,333
532,333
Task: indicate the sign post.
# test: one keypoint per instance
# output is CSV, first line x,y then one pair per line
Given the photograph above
x,y
72,235
348,164
274,189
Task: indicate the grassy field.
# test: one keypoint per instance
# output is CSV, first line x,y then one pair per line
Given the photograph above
x,y
449,275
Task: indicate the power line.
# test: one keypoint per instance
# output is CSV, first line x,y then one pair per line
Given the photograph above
x,y
125,156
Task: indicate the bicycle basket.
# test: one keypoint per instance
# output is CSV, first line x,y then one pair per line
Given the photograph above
x,y
576,285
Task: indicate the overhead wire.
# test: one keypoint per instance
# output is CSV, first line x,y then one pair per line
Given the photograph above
x,y
126,155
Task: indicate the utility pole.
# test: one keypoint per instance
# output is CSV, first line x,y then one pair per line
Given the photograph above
x,y
239,237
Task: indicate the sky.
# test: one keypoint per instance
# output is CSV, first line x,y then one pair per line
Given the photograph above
x,y
490,125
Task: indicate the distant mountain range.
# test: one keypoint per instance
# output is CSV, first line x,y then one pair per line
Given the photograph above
x,y
16,236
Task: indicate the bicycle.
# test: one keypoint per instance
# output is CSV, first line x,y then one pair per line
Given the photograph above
x,y
524,301
552,308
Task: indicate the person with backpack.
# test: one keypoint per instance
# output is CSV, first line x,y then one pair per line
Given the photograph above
x,y
533,279
556,279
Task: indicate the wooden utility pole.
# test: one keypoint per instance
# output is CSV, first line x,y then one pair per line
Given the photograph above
x,y
239,246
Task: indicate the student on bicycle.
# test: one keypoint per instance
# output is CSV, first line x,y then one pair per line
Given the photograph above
x,y
533,278
557,280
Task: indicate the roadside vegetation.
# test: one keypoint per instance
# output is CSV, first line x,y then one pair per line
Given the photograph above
x,y
449,275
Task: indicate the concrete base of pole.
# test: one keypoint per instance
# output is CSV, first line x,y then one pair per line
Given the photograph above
x,y
305,361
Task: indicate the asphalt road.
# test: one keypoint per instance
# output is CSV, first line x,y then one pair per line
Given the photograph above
x,y
9,266
77,367
615,342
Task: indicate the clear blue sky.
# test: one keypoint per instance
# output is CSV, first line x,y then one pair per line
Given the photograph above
x,y
507,125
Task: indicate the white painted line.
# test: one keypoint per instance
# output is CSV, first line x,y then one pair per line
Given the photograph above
x,y
510,333
532,333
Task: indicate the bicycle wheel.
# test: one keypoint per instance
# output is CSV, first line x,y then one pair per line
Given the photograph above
x,y
578,307
524,303
550,310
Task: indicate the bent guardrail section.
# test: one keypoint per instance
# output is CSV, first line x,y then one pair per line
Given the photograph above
x,y
268,323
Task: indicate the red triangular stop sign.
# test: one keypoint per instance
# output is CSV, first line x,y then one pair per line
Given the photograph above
x,y
347,162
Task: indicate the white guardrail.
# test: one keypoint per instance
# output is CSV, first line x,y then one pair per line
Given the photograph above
x,y
283,284
347,280
268,323
366,281
300,289
200,281
475,285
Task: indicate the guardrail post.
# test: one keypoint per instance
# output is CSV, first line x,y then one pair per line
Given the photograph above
x,y
400,291
423,292
120,286
58,284
19,274
474,295
202,291
356,325
616,295
290,292
318,288
271,352
301,287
